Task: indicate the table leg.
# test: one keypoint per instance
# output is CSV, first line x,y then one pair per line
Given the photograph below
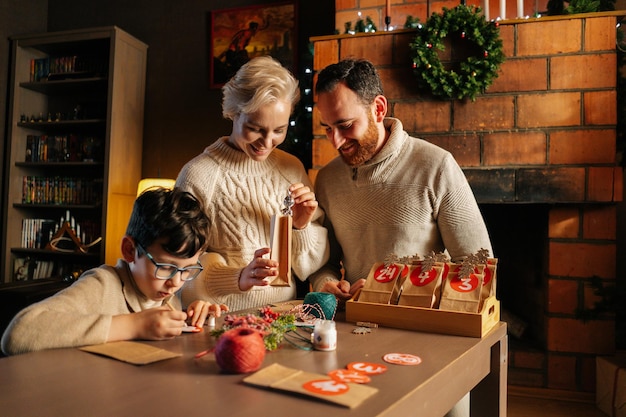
x,y
488,398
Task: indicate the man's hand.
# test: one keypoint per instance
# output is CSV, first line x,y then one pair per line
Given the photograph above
x,y
342,289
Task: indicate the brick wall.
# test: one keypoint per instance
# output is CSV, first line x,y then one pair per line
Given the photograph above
x,y
544,132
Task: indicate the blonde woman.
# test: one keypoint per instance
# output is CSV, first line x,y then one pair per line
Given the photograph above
x,y
243,179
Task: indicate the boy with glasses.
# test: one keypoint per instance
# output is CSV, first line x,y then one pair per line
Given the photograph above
x,y
135,299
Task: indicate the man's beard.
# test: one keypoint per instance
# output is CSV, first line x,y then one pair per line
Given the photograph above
x,y
366,145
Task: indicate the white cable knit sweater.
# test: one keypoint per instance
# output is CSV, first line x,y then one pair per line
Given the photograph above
x,y
240,196
411,198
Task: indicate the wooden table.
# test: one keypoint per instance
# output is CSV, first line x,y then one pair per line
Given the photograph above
x,y
70,382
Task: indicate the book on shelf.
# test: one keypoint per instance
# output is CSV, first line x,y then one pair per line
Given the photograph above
x,y
36,233
27,268
61,190
70,66
63,148
39,69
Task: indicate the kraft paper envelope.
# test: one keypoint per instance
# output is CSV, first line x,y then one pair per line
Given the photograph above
x,y
131,352
288,379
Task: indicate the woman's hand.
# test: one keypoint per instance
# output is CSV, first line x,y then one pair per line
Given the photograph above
x,y
199,310
259,272
304,206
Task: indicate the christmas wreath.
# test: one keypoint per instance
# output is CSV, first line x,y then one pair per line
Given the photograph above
x,y
482,45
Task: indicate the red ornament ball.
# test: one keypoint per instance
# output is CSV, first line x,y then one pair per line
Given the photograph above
x,y
240,351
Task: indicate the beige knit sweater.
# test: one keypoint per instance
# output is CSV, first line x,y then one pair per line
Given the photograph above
x,y
240,196
411,198
79,315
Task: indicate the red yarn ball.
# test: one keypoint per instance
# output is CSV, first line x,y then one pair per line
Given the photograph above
x,y
240,350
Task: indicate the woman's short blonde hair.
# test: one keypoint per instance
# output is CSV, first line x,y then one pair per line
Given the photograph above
x,y
260,81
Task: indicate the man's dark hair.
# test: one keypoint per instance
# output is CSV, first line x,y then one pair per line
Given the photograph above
x,y
359,75
175,215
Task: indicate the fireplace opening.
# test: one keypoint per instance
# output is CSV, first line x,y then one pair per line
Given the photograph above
x,y
519,237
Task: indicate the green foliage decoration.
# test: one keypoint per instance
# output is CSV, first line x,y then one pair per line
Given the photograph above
x,y
272,325
557,7
476,72
582,6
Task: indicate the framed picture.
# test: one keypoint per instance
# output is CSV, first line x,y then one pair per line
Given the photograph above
x,y
240,34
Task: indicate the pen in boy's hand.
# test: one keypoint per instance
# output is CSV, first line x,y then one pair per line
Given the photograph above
x,y
186,328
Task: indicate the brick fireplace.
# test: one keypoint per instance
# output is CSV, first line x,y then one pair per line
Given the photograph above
x,y
539,149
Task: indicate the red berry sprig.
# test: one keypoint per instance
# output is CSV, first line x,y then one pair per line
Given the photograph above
x,y
269,323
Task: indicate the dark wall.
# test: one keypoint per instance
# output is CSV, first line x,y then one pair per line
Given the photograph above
x,y
182,114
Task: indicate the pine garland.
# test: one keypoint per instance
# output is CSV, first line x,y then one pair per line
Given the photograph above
x,y
476,73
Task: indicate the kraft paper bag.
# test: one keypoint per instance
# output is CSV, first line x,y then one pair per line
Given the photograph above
x,y
489,282
461,293
318,386
422,288
280,245
383,283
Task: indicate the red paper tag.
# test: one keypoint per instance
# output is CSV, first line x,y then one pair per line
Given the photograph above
x,y
348,375
386,273
402,359
420,279
192,329
326,387
467,284
367,368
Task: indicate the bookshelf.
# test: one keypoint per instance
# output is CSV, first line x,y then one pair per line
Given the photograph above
x,y
74,145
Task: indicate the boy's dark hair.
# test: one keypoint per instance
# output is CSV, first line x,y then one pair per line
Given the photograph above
x,y
174,215
359,75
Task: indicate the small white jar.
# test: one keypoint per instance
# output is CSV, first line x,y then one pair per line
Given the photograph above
x,y
324,336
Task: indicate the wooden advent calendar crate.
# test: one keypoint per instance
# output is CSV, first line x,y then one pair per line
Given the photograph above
x,y
426,319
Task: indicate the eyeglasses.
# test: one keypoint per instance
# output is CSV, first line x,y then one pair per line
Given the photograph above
x,y
168,271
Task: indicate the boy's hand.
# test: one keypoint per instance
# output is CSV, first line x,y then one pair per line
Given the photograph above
x,y
154,324
161,323
199,310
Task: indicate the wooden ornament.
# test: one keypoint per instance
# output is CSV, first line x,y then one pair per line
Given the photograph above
x,y
67,234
